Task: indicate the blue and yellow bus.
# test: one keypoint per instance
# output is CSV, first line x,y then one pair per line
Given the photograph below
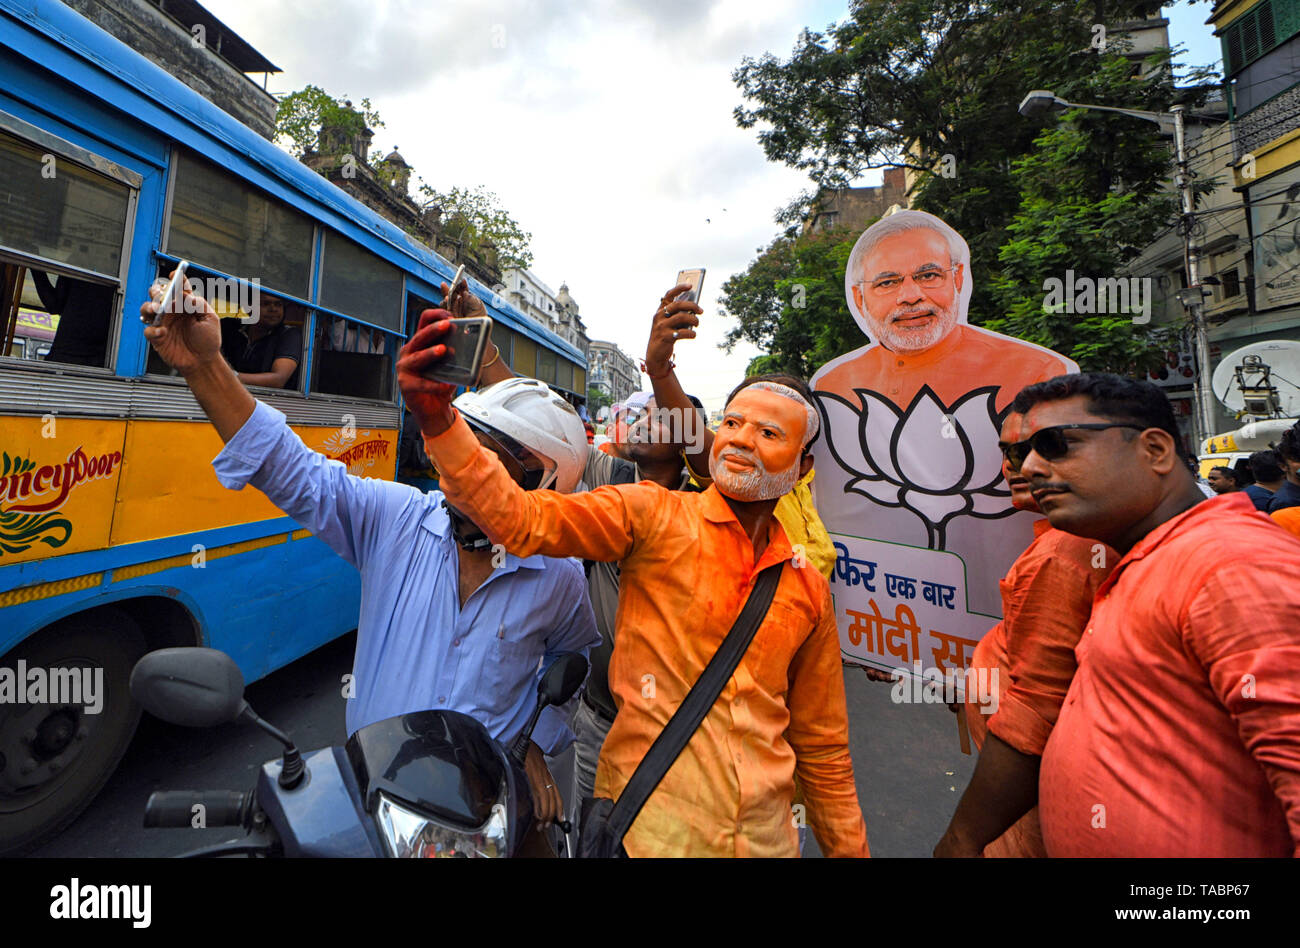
x,y
115,536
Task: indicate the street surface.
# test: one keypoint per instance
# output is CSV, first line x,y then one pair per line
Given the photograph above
x,y
909,768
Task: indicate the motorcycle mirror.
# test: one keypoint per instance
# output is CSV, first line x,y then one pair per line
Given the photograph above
x,y
563,679
193,687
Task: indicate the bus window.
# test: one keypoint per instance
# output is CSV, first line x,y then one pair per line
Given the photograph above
x,y
356,282
546,365
224,223
72,317
415,305
352,359
563,374
260,351
524,355
251,346
54,209
56,214
504,339
85,312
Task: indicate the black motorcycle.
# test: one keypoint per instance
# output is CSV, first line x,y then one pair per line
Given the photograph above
x,y
426,784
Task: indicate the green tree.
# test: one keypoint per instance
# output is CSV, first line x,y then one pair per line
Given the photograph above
x,y
476,218
596,400
931,85
300,116
1092,197
790,303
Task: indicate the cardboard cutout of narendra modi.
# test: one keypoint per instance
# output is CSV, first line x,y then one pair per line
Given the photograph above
x,y
909,480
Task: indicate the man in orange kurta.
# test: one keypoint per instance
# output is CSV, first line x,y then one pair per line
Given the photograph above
x,y
1180,734
688,564
1288,518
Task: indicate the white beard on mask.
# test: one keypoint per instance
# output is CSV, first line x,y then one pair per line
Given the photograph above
x,y
912,340
753,485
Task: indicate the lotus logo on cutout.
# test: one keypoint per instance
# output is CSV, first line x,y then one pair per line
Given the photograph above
x,y
942,461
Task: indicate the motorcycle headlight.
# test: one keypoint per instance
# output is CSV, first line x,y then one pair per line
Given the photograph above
x,y
412,835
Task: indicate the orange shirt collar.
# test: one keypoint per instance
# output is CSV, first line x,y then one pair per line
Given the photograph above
x,y
714,508
1225,507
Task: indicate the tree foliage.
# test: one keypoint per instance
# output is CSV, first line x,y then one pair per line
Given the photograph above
x,y
790,302
904,83
597,398
300,116
476,218
934,86
1091,200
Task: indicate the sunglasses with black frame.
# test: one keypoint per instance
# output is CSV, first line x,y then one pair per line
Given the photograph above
x,y
1050,443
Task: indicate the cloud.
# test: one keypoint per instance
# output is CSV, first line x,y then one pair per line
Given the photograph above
x,y
604,126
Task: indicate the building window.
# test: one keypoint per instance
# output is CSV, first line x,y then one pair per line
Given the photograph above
x,y
1231,283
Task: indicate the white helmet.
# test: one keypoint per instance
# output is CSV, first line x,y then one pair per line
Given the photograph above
x,y
523,412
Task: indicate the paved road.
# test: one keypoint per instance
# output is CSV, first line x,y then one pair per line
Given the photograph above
x,y
909,769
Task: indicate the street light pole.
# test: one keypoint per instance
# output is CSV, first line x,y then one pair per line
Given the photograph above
x,y
1041,101
1204,416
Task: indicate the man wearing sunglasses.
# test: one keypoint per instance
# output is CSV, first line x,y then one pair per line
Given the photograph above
x,y
1046,600
1180,733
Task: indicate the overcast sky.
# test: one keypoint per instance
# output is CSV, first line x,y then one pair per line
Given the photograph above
x,y
605,127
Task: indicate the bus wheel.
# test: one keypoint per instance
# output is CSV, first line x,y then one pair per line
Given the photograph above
x,y
58,749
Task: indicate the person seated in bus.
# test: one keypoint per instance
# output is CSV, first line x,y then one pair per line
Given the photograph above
x,y
447,620
350,337
85,312
266,352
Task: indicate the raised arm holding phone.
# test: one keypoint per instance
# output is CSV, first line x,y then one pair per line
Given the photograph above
x,y
689,562
441,624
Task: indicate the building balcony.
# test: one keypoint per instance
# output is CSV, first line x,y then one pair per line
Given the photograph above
x,y
1267,122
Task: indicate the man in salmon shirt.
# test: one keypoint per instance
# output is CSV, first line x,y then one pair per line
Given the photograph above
x,y
1180,734
888,468
1046,601
689,561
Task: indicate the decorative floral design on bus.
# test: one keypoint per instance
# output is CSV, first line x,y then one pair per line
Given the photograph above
x,y
358,456
31,495
934,460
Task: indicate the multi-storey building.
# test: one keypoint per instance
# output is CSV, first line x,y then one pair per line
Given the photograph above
x,y
195,47
1248,228
611,372
558,312
856,207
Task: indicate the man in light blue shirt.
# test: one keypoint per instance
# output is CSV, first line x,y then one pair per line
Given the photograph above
x,y
441,625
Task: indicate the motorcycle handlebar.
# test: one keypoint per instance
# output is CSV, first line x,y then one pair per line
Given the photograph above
x,y
177,808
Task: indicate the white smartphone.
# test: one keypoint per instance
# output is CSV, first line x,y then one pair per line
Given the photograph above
x,y
174,289
451,287
696,279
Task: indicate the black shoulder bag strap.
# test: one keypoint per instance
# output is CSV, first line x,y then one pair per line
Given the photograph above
x,y
688,717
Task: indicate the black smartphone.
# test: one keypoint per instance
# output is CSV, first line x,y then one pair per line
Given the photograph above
x,y
696,279
466,343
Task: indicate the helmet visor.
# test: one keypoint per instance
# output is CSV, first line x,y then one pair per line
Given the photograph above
x,y
533,467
